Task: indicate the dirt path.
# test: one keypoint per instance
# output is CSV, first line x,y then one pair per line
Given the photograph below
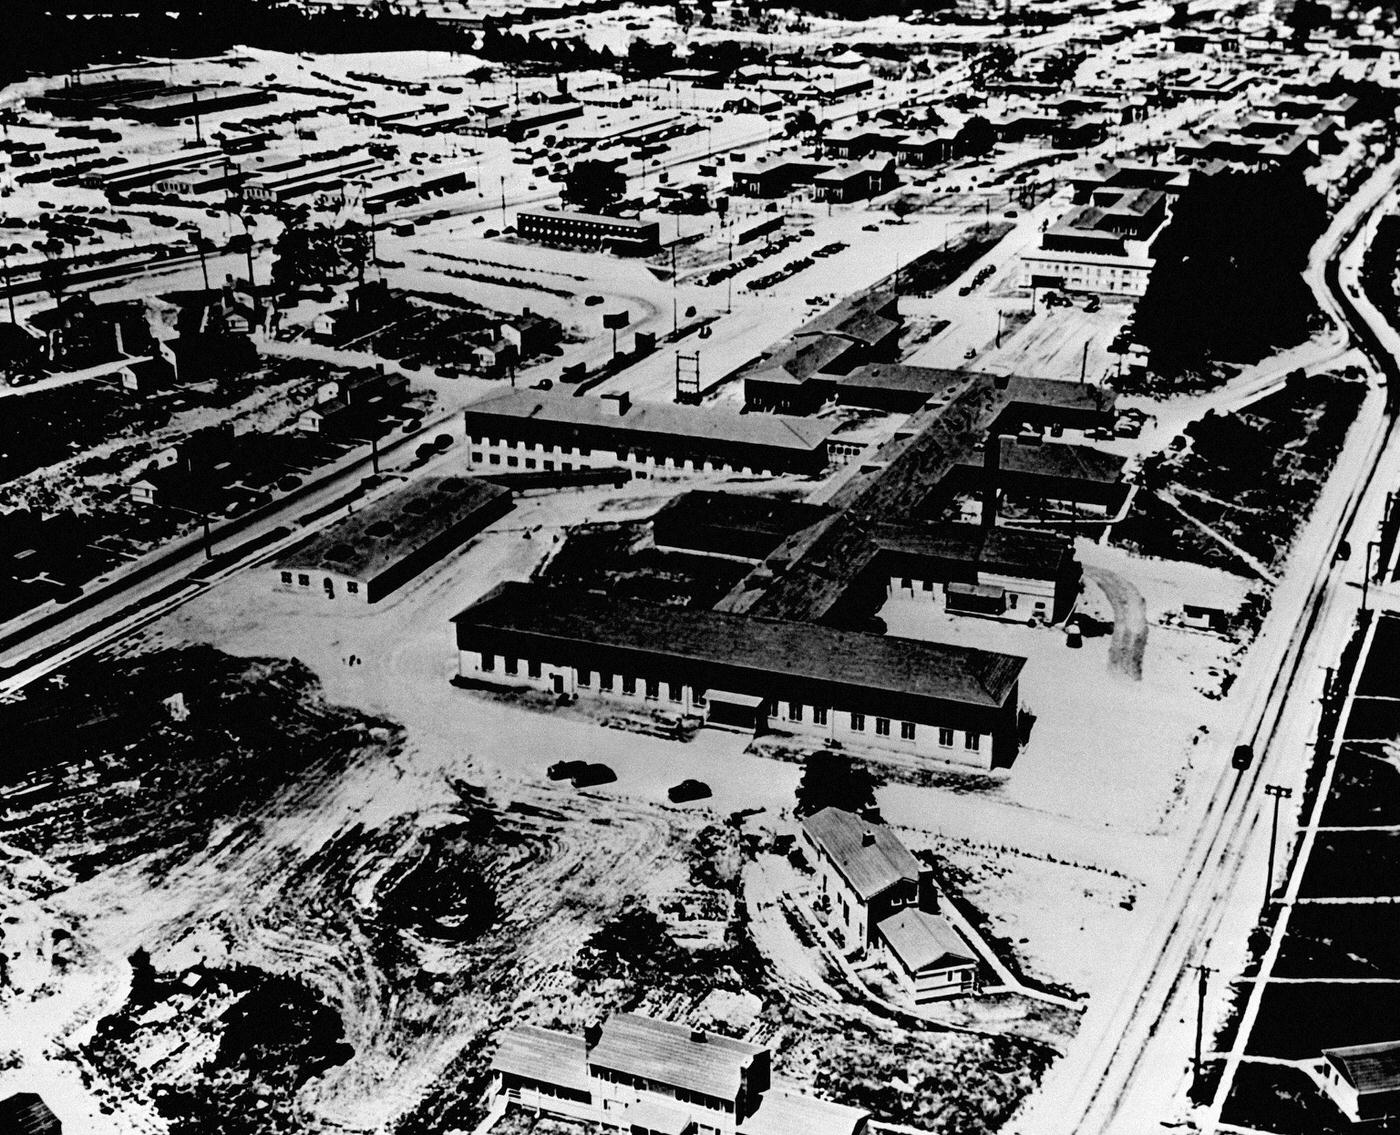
x,y
1129,622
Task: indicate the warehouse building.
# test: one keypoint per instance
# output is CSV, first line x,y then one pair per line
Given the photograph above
x,y
549,431
367,555
630,236
926,699
647,1076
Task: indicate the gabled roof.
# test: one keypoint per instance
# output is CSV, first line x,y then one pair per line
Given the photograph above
x,y
788,1113
1369,1068
544,1055
850,659
923,941
657,418
671,1054
24,1113
869,855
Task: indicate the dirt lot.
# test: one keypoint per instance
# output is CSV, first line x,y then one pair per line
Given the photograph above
x,y
1270,1097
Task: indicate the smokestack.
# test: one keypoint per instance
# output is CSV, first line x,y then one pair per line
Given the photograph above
x,y
991,477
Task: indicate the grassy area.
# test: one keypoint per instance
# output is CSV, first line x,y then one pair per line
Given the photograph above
x,y
1365,787
44,427
1353,940
1270,1097
620,559
1297,1021
1360,863
1251,477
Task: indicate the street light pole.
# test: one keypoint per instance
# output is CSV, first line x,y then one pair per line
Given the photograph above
x,y
1278,792
1366,579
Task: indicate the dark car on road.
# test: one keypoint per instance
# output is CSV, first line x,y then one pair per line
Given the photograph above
x,y
1244,756
688,790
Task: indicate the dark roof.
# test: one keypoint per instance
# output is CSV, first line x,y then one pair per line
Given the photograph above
x,y
869,855
1076,462
364,544
853,658
1370,1068
24,1113
1009,551
742,512
671,1054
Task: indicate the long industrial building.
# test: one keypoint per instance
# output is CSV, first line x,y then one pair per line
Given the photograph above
x,y
552,431
931,699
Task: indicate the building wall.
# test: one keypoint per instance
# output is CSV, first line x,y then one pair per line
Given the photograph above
x,y
1025,598
823,722
495,452
932,985
324,584
1085,274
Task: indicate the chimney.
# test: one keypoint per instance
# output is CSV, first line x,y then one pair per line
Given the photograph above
x,y
867,838
991,476
622,399
592,1033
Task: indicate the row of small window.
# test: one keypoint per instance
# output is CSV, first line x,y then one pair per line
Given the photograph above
x,y
694,464
908,730
584,678
304,580
506,443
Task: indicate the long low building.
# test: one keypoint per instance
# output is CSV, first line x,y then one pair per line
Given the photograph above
x,y
930,699
572,229
645,1076
378,549
551,431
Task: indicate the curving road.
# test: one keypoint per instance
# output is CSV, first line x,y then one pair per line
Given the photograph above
x,y
1130,1067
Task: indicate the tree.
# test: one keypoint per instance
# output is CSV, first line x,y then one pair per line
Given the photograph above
x,y
633,945
833,780
1227,281
594,186
995,62
977,137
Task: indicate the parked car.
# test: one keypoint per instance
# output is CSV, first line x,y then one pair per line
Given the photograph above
x,y
1093,305
591,774
1244,756
970,353
565,770
688,790
593,301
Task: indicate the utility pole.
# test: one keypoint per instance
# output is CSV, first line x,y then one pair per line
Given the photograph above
x,y
1202,975
1278,792
1084,363
998,328
1366,579
503,201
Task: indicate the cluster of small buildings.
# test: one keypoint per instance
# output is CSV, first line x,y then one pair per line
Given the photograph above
x,y
351,405
828,181
144,346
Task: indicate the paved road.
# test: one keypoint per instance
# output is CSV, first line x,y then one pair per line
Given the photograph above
x,y
1128,1074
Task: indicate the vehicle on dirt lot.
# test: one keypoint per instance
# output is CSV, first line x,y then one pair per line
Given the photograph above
x,y
688,790
592,774
1244,756
565,770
